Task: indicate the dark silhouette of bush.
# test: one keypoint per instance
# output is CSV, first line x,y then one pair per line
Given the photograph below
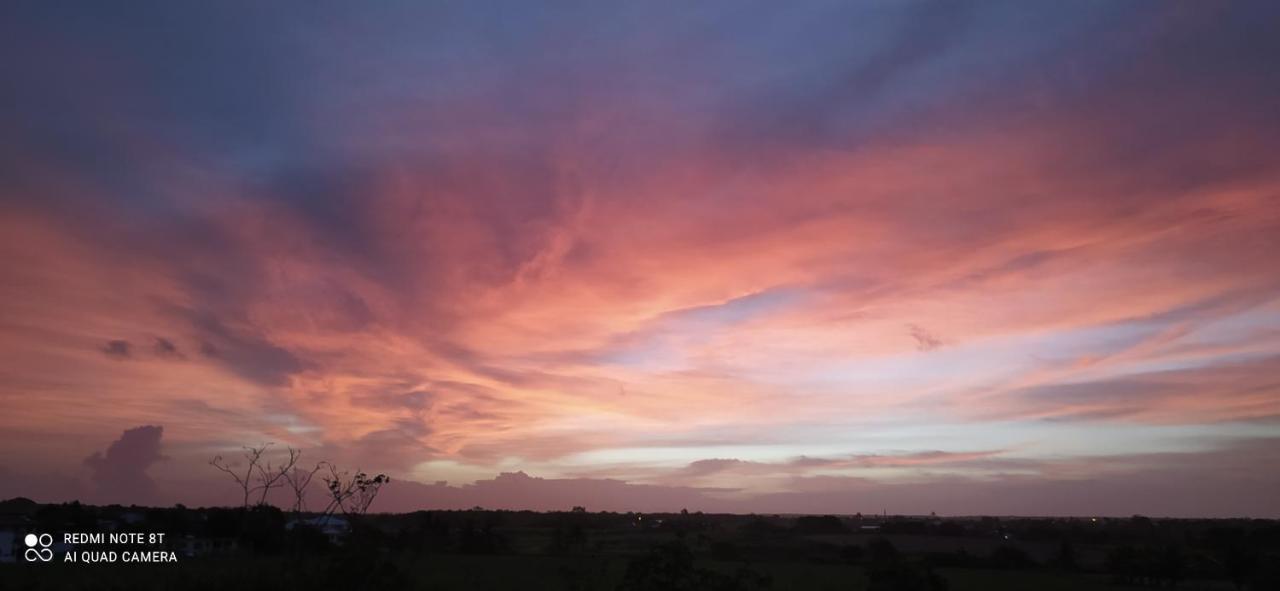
x,y
666,566
887,570
852,553
1231,550
568,538
820,524
425,531
1147,565
760,527
1123,562
906,577
1009,558
264,530
64,517
1065,558
882,552
671,567
725,550
481,539
306,540
901,525
1267,576
959,559
363,566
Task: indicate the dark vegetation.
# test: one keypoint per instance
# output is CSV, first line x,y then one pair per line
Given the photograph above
x,y
254,548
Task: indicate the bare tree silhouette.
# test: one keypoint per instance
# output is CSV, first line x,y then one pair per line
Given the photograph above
x,y
270,477
352,494
252,456
299,480
259,475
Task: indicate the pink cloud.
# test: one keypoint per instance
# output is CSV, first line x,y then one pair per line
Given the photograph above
x,y
666,267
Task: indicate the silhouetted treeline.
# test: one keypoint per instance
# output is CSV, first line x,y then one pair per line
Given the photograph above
x,y
631,551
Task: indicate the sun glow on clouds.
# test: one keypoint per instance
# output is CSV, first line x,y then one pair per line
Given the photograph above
x,y
748,252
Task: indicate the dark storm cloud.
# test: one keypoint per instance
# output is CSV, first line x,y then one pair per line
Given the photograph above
x,y
244,352
120,474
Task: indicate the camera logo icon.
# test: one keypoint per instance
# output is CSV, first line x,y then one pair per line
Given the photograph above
x,y
42,553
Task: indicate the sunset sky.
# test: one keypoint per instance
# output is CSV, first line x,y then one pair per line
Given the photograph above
x,y
1009,258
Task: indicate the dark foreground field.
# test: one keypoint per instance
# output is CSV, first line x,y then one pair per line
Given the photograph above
x,y
462,571
578,550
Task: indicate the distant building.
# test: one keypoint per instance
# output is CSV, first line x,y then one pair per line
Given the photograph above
x,y
8,546
333,527
193,546
132,518
15,524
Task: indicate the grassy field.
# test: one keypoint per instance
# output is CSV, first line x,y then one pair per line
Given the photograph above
x,y
482,573
580,551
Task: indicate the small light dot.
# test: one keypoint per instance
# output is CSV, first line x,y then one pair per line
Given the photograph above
x,y
31,540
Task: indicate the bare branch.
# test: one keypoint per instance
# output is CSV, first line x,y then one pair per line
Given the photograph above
x,y
351,494
253,458
270,477
299,480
